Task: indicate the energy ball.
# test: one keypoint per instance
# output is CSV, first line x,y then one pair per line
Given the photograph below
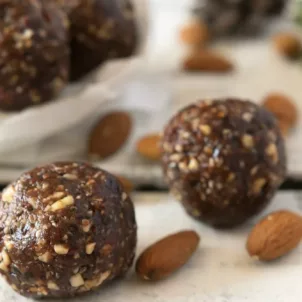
x,y
224,160
66,5
101,30
65,229
34,53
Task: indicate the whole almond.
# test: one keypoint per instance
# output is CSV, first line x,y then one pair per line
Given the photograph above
x,y
207,61
110,134
284,109
126,183
284,128
275,235
149,146
195,34
166,256
287,45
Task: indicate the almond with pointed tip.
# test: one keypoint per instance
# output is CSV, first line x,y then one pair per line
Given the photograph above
x,y
110,134
275,235
126,183
284,128
149,146
207,61
288,45
166,256
195,34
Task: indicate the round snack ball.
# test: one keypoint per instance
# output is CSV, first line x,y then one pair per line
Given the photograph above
x,y
66,5
65,229
224,160
101,30
34,53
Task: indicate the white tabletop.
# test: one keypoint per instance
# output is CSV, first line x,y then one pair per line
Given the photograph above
x,y
220,271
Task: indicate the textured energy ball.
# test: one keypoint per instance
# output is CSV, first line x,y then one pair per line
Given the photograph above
x,y
224,160
65,229
34,53
101,30
66,5
233,17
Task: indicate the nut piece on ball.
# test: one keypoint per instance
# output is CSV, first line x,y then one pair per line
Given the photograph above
x,y
65,229
34,53
224,160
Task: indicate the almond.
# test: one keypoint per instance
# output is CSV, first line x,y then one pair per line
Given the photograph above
x,y
110,134
149,146
166,256
284,109
126,184
195,34
284,128
287,45
274,236
208,61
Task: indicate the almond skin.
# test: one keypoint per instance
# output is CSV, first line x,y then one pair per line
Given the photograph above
x,y
283,108
207,61
284,128
275,236
166,256
195,34
287,45
126,183
109,134
149,146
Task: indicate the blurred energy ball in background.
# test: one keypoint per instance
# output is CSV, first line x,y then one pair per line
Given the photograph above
x,y
233,17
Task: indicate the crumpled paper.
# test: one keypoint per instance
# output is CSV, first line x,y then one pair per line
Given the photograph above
x,y
59,130
147,99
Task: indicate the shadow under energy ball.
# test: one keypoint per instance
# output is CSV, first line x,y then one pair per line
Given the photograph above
x,y
65,229
224,160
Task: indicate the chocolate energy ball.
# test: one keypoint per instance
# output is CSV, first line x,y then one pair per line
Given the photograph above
x,y
66,5
101,30
224,160
65,229
34,53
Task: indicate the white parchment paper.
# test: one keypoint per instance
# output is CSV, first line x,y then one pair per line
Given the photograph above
x,y
48,132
